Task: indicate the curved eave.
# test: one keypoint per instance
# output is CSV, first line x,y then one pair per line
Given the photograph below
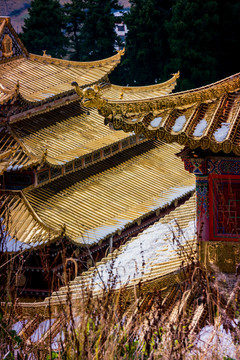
x,y
115,59
186,98
48,80
116,92
217,104
6,95
24,229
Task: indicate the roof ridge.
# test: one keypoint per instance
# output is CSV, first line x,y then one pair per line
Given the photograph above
x,y
56,61
172,80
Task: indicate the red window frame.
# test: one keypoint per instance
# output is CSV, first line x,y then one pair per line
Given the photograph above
x,y
216,214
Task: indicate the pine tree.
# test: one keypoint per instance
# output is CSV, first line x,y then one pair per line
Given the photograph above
x,y
193,35
228,39
42,30
98,32
75,17
147,49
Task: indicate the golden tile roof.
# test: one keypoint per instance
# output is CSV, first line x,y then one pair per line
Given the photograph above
x,y
57,137
128,93
13,154
92,209
207,117
160,268
42,77
6,95
65,133
23,224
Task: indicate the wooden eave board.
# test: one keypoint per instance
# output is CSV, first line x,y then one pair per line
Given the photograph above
x,y
163,262
99,205
65,133
208,117
39,79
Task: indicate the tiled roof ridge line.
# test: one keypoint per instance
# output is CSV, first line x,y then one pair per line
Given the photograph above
x,y
184,98
46,59
10,93
2,25
173,79
23,147
36,217
45,159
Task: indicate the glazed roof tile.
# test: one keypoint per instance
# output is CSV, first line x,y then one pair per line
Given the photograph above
x,y
153,254
128,93
24,228
58,137
92,209
42,77
207,117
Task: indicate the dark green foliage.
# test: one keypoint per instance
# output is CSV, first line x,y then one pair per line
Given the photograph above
x,y
98,34
147,49
42,30
192,37
75,17
229,38
203,38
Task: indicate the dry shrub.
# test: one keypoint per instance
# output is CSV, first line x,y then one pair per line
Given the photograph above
x,y
131,322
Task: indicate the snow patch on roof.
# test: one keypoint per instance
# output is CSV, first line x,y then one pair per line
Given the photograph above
x,y
156,122
41,330
180,121
199,129
221,133
154,246
165,198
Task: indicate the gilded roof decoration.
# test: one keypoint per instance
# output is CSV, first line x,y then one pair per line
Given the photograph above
x,y
110,91
7,95
10,44
207,117
119,196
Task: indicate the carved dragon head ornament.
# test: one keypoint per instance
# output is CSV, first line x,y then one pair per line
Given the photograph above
x,y
91,97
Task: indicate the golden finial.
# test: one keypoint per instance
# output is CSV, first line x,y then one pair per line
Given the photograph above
x,y
44,54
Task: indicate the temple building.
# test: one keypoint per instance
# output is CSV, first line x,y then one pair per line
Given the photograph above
x,y
132,198
206,122
71,188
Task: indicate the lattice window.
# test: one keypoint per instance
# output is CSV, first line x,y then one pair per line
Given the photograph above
x,y
55,172
224,206
7,46
43,176
107,151
115,147
68,167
